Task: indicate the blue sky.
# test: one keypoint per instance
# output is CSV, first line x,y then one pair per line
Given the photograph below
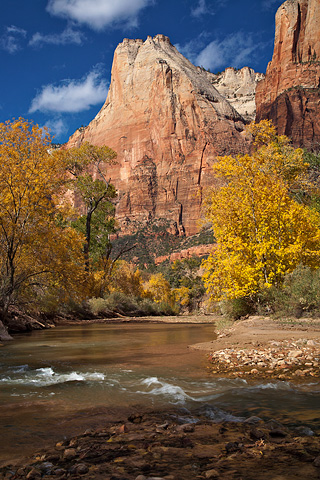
x,y
56,55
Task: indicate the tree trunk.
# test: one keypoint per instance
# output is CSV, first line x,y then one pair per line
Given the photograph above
x,y
4,335
88,237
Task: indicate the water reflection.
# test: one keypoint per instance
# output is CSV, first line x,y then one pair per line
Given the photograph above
x,y
58,382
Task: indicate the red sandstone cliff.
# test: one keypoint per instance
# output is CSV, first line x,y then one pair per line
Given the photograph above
x,y
167,123
290,93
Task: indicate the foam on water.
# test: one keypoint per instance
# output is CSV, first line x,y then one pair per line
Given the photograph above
x,y
277,385
205,392
173,393
43,377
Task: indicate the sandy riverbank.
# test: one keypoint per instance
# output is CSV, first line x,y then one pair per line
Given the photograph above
x,y
151,319
263,347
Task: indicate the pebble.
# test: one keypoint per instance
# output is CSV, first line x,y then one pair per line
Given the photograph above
x,y
46,467
69,454
79,468
283,360
186,427
212,474
214,451
33,474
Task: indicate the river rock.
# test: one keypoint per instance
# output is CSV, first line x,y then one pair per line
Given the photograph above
x,y
46,467
186,427
33,474
59,472
79,468
316,461
253,420
225,451
69,454
212,474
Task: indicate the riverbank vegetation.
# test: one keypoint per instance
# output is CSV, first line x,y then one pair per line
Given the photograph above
x,y
265,216
57,218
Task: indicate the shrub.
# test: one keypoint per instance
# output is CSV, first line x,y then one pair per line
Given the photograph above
x,y
97,305
119,302
236,308
299,296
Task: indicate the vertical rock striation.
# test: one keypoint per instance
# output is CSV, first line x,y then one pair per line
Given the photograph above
x,y
290,93
167,123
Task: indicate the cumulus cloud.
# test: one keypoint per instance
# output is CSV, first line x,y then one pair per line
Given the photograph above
x,y
56,127
98,14
66,37
11,40
72,95
235,50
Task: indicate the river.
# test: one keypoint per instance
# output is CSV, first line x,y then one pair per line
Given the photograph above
x,y
58,382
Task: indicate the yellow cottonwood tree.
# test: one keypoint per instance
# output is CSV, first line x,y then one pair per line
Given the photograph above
x,y
262,233
36,251
158,288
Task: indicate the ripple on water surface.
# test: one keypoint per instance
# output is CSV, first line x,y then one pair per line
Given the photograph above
x,y
54,382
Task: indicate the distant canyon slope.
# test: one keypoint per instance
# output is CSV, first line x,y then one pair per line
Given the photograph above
x,y
169,120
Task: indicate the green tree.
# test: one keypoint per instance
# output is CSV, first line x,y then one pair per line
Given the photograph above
x,y
262,232
95,194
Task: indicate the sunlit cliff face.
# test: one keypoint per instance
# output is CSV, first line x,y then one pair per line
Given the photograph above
x,y
168,123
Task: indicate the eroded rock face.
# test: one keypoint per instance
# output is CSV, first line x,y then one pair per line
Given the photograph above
x,y
239,87
167,123
290,93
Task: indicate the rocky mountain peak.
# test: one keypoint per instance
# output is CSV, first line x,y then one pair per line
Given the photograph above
x,y
168,123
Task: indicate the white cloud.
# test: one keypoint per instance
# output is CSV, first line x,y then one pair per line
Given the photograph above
x,y
98,14
72,95
56,127
16,30
191,49
200,9
10,41
66,37
235,50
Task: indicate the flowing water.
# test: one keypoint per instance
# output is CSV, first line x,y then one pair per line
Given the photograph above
x,y
60,382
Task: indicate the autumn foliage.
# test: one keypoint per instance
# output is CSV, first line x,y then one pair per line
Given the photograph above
x,y
262,232
37,253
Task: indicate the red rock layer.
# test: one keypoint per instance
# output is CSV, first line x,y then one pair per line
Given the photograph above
x,y
290,93
198,251
167,123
